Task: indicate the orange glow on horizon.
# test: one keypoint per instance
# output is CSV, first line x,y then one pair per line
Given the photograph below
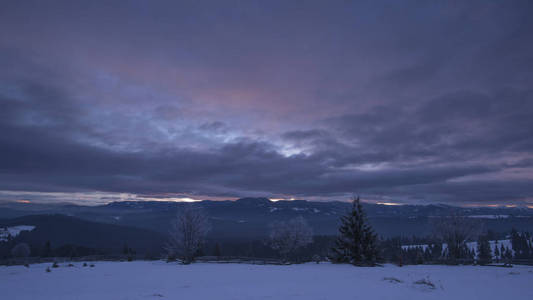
x,y
389,203
281,199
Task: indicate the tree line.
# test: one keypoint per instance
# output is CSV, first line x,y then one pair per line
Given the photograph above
x,y
356,243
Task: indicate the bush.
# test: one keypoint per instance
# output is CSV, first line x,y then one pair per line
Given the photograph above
x,y
21,250
55,265
392,279
425,282
48,270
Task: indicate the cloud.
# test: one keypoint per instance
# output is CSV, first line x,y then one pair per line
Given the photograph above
x,y
273,99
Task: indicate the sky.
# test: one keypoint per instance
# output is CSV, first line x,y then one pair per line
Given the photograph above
x,y
413,102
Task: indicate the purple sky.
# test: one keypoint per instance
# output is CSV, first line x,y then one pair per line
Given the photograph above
x,y
399,101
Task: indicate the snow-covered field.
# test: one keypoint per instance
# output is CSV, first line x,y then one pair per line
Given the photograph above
x,y
159,280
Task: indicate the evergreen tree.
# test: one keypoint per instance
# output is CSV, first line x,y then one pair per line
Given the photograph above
x,y
217,251
517,243
497,252
436,251
419,255
484,253
47,251
356,243
508,254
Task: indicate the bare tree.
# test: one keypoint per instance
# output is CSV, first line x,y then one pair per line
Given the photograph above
x,y
187,233
286,237
21,250
455,231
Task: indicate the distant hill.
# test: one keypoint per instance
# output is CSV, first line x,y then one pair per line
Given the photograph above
x,y
250,217
63,230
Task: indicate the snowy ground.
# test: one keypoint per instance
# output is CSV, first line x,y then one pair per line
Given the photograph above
x,y
159,280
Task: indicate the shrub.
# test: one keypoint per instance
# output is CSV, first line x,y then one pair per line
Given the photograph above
x,y
425,282
392,280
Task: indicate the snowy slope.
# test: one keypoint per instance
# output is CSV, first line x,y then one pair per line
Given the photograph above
x,y
159,280
13,231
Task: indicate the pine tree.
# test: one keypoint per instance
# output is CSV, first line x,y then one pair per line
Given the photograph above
x,y
436,251
47,251
508,254
497,252
217,251
356,243
484,253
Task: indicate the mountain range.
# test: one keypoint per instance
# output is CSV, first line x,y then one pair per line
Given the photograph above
x,y
250,217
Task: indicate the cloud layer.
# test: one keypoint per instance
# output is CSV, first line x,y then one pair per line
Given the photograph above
x,y
405,101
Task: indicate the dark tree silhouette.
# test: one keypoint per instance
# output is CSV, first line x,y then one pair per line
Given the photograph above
x,y
356,243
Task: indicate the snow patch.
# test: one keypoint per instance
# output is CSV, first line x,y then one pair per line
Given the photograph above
x,y
489,216
299,209
13,231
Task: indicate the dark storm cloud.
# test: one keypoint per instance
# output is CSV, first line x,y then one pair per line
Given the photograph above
x,y
463,125
410,101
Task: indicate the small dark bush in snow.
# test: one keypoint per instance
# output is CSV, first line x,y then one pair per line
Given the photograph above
x,y
425,282
91,265
70,265
85,264
55,265
48,270
27,265
392,280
